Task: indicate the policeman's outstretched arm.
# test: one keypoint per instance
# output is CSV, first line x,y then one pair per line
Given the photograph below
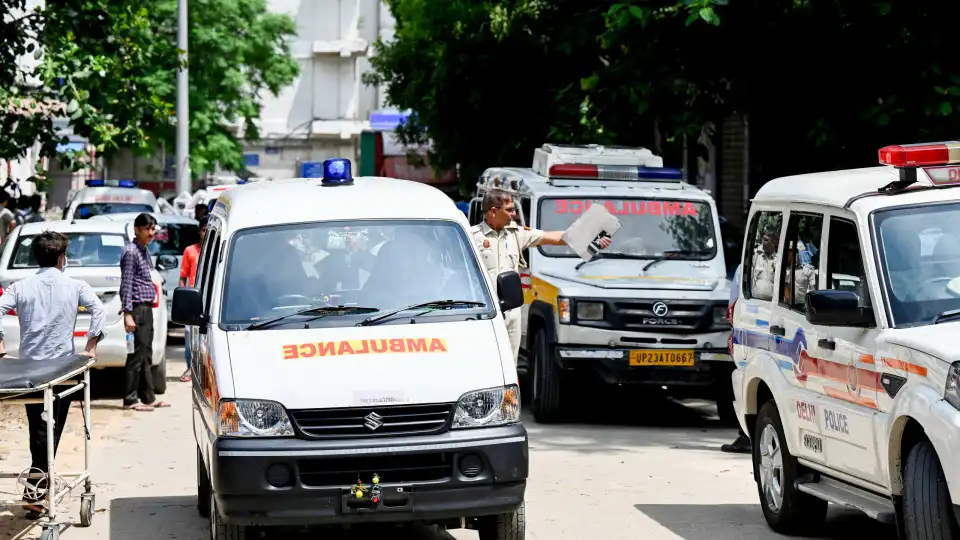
x,y
555,238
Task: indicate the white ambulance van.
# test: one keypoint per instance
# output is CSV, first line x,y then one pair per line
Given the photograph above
x,y
351,362
845,337
101,197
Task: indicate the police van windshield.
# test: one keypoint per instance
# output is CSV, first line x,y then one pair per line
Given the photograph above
x,y
84,249
174,238
88,210
385,265
919,250
651,227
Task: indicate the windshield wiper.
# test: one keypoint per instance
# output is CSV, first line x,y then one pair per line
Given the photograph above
x,y
369,321
607,255
673,253
320,311
949,315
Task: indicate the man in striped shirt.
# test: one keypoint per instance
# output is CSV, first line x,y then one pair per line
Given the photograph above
x,y
137,294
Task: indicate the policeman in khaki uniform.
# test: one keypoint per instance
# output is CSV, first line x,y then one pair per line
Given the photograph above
x,y
501,242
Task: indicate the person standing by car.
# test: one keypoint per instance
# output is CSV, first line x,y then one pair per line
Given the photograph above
x,y
8,221
742,443
188,273
200,211
137,294
47,304
501,241
34,215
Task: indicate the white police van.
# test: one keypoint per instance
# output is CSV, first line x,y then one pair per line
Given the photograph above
x,y
351,362
650,310
109,197
848,376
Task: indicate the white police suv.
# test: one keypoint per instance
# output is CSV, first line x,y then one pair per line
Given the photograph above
x,y
845,339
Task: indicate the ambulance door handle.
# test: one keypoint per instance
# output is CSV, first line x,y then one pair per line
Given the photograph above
x,y
778,330
827,344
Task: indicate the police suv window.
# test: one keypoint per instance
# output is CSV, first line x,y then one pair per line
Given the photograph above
x,y
801,256
845,269
760,255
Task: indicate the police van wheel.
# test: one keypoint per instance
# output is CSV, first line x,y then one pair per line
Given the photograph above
x,y
547,381
787,510
928,512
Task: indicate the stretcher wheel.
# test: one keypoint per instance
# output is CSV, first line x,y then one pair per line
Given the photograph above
x,y
51,532
87,501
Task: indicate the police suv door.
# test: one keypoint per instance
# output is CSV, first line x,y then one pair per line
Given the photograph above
x,y
845,361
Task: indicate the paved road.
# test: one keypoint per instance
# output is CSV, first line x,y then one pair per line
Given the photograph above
x,y
627,469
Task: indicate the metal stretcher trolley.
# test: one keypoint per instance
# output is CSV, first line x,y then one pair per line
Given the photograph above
x,y
24,381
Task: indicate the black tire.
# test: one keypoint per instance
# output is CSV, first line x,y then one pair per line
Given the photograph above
x,y
512,526
223,531
927,509
159,373
799,513
547,380
203,487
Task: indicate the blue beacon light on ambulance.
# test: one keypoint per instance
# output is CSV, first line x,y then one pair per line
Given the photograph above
x,y
336,172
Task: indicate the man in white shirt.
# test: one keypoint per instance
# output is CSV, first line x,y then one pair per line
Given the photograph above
x,y
47,304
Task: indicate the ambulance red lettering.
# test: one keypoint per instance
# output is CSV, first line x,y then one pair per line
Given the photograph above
x,y
379,346
327,348
345,348
623,208
307,350
416,345
396,345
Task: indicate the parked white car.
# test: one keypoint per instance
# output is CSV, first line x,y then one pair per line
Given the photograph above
x,y
93,256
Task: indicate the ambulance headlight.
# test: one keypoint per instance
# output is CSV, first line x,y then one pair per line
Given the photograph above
x,y
487,408
253,418
952,391
589,311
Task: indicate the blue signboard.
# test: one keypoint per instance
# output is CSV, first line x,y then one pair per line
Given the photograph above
x,y
251,160
311,169
387,120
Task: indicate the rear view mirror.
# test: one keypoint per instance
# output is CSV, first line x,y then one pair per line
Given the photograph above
x,y
510,291
188,307
166,262
838,308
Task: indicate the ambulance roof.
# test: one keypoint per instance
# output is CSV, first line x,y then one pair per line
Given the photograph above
x,y
840,188
301,200
68,227
542,186
89,195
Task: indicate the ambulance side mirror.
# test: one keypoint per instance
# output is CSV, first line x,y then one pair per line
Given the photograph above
x,y
188,307
510,291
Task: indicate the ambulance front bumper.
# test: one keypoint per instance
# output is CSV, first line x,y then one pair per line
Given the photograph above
x,y
433,478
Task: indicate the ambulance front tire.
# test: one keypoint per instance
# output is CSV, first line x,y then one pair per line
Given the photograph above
x,y
546,379
512,526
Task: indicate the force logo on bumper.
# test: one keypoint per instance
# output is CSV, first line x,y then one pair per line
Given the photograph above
x,y
364,346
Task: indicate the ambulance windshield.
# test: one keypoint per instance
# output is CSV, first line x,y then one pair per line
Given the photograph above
x,y
651,227
920,258
380,264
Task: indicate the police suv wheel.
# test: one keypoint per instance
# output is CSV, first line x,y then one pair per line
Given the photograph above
x,y
159,374
220,530
787,510
927,509
512,526
546,380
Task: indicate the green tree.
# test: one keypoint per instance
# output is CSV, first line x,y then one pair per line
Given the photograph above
x,y
238,51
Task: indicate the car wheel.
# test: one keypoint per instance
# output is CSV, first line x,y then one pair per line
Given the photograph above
x,y
547,381
510,526
787,510
928,511
203,487
220,530
160,376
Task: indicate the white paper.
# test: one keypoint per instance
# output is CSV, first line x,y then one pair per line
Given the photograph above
x,y
112,240
584,234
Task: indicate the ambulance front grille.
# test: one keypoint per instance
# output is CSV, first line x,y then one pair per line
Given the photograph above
x,y
357,421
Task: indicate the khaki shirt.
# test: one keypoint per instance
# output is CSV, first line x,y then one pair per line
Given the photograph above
x,y
501,251
762,275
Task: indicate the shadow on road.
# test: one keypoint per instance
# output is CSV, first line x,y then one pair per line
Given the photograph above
x,y
162,518
598,425
714,521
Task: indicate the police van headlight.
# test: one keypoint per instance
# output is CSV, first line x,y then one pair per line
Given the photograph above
x,y
253,418
952,392
487,408
589,311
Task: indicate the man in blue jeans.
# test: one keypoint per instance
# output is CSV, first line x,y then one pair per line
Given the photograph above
x,y
742,444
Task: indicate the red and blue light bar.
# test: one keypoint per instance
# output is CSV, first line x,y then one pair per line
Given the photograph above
x,y
585,171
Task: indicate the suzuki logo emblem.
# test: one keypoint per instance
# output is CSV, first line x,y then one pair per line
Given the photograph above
x,y
660,309
373,421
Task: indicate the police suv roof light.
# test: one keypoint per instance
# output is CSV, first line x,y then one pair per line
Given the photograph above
x,y
938,160
336,172
95,183
127,183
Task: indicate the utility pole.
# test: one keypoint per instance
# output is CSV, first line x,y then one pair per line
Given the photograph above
x,y
184,182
